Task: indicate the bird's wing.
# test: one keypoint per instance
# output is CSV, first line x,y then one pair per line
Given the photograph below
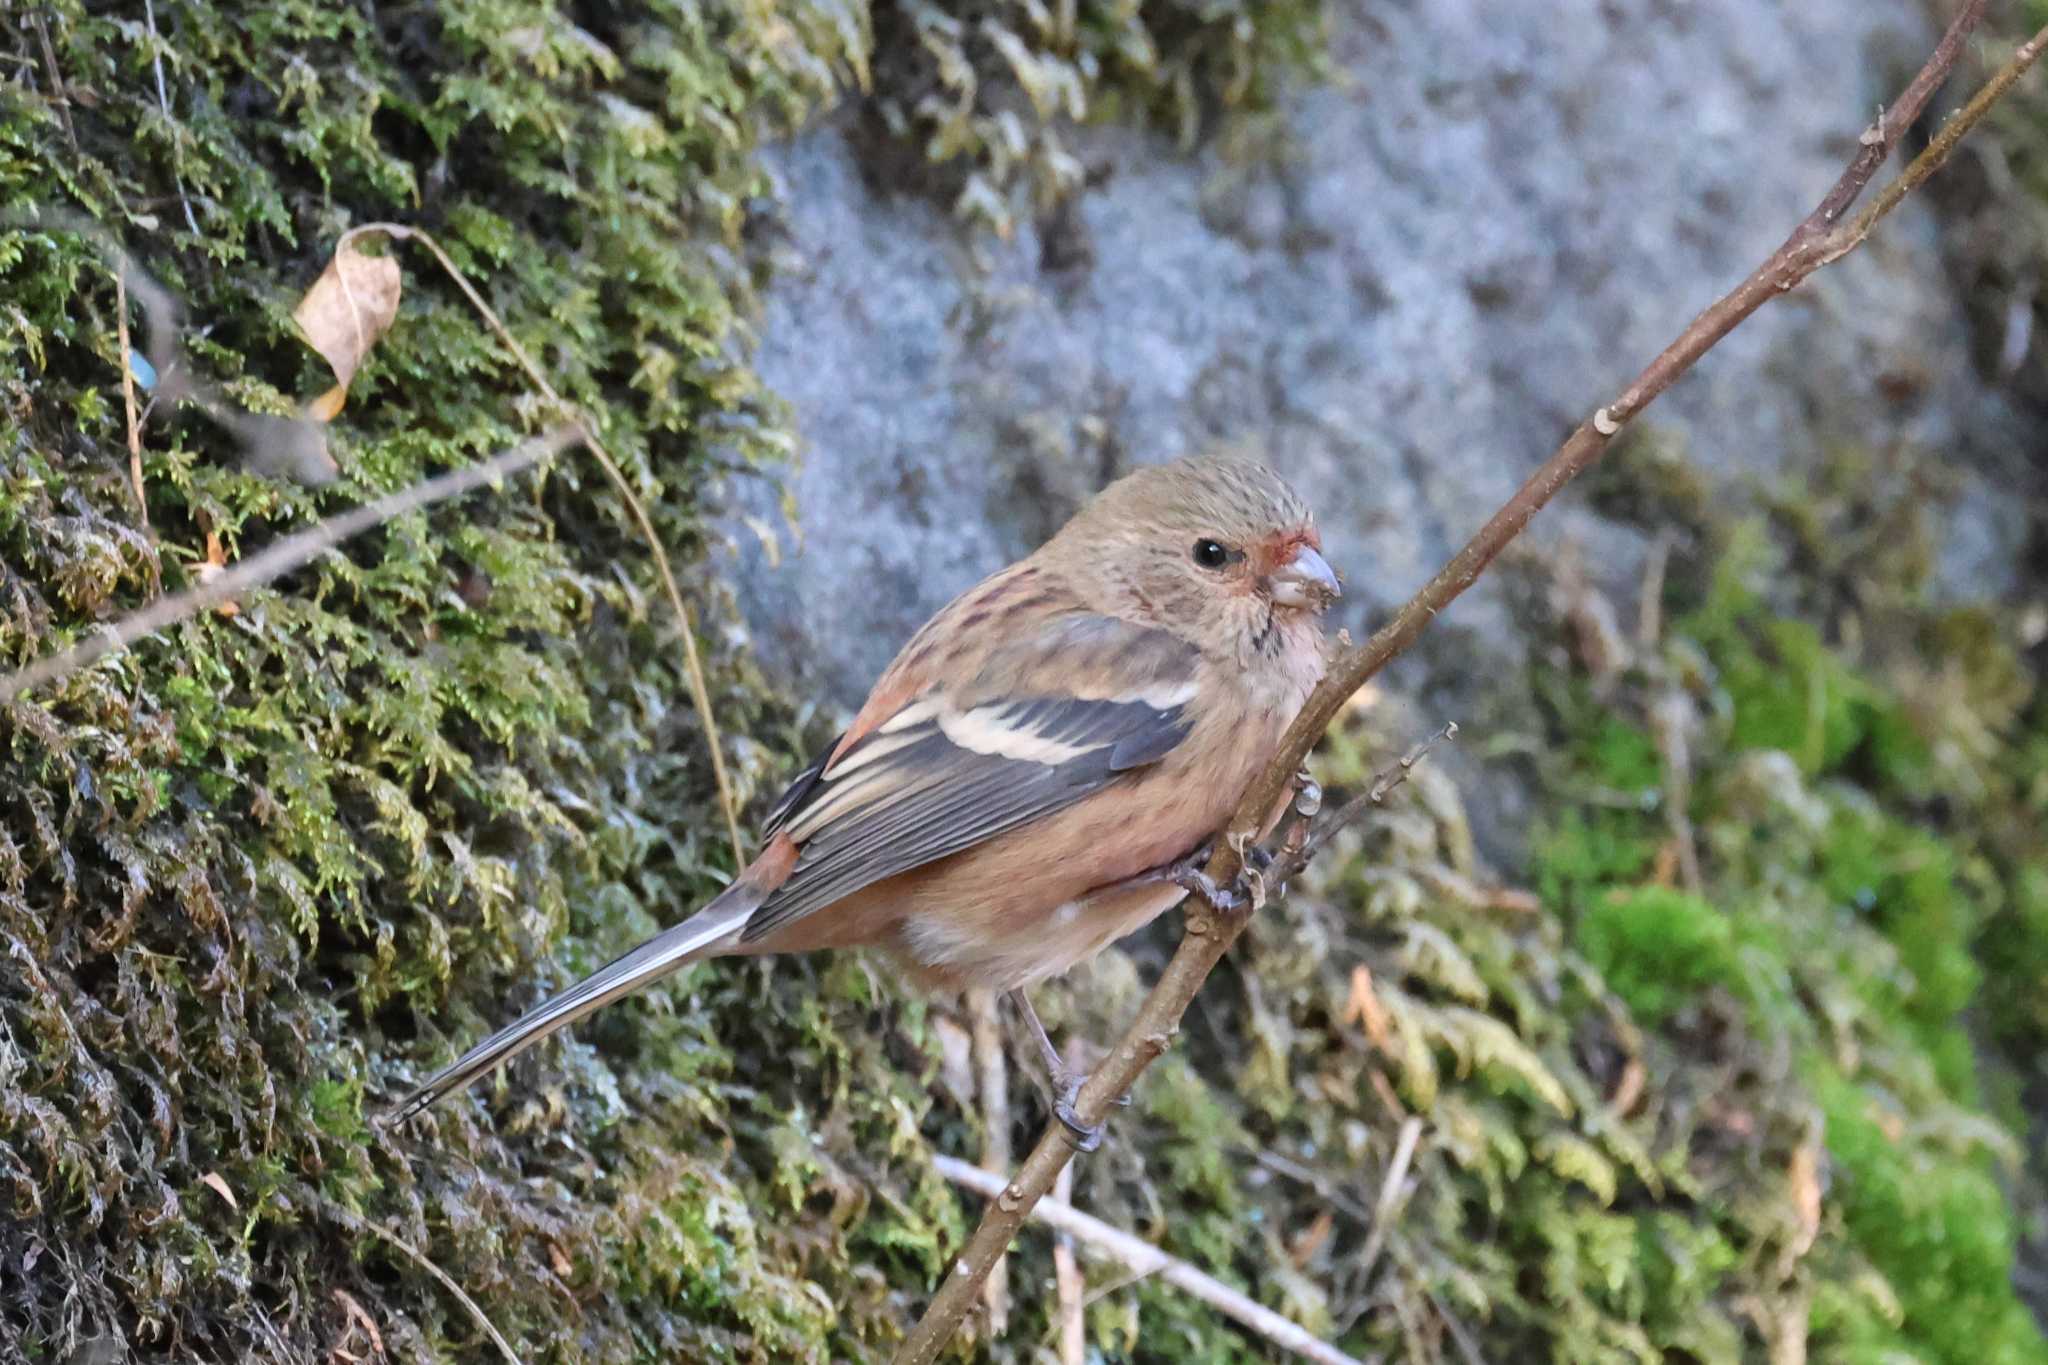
x,y
1034,726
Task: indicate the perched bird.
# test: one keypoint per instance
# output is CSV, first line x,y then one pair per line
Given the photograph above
x,y
1031,777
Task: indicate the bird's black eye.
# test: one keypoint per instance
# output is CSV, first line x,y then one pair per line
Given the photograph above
x,y
1211,554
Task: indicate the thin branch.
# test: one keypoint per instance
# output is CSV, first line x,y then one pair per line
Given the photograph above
x,y
1068,1285
1938,151
1145,1259
163,102
693,666
1209,932
1390,1196
128,393
993,1082
448,1283
283,557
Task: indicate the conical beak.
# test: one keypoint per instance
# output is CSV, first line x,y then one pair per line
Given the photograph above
x,y
1306,580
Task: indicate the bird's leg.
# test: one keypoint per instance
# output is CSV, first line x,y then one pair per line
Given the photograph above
x,y
1063,1082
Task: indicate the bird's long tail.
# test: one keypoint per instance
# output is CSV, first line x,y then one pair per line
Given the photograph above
x,y
699,936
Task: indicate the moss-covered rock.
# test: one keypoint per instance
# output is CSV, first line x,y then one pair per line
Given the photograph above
x,y
270,866
273,864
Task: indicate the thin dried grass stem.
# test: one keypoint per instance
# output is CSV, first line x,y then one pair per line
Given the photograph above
x,y
128,394
693,664
461,1295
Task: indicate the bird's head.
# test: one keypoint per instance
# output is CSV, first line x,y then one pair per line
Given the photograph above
x,y
1216,549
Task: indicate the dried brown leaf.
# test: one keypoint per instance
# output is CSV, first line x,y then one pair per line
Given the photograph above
x,y
1804,1177
1311,1240
216,560
328,405
213,1181
351,306
1629,1089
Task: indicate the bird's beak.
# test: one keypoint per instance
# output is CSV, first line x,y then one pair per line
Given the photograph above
x,y
1306,580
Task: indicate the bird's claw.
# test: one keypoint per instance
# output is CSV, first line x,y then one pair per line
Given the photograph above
x,y
1066,1089
1227,900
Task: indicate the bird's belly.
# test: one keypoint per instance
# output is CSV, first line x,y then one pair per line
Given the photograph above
x,y
1022,950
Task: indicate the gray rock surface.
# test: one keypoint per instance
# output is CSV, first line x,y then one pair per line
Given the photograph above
x,y
1403,298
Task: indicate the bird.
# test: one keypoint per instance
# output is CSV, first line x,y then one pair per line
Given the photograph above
x,y
1037,772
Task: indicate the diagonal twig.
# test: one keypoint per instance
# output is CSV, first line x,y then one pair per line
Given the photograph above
x,y
1145,1259
1390,1196
1816,241
448,1283
283,557
693,666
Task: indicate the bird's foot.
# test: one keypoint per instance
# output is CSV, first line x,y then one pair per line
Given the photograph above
x,y
1066,1088
1242,893
1063,1083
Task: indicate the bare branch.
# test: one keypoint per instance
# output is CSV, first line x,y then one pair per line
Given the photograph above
x,y
1351,812
1145,1259
281,558
1390,1195
993,1083
1210,932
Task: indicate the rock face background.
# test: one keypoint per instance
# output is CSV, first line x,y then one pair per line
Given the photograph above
x,y
1402,291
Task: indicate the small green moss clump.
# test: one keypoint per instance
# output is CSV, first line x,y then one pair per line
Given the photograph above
x,y
987,89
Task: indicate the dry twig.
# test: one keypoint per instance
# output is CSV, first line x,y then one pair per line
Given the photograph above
x,y
283,557
128,393
1068,1286
448,1283
1145,1259
1817,241
992,1081
693,666
1390,1195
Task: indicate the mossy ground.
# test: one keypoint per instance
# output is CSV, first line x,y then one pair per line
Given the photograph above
x,y
262,871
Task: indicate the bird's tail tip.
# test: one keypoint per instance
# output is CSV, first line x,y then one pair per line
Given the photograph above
x,y
698,937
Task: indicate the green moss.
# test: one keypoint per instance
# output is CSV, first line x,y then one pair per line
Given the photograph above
x,y
1841,922
1657,948
1935,1222
262,871
990,90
